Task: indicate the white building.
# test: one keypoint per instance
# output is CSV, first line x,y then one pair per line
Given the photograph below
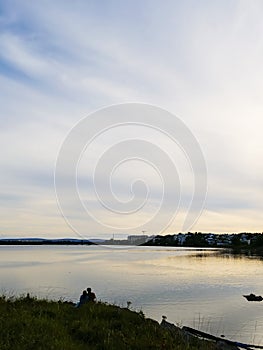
x,y
137,238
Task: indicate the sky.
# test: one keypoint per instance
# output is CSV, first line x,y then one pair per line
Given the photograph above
x,y
63,61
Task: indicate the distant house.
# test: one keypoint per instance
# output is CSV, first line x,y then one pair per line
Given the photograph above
x,y
244,238
181,237
211,239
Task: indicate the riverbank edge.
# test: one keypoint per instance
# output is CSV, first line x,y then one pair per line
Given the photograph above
x,y
30,323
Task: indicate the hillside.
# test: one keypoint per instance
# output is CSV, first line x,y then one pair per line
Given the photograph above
x,y
27,323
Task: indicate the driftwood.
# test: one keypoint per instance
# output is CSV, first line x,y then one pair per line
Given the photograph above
x,y
221,344
235,344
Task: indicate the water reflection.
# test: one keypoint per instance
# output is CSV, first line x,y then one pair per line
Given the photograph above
x,y
197,288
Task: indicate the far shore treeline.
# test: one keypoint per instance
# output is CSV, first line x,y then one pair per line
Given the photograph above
x,y
245,241
41,241
236,241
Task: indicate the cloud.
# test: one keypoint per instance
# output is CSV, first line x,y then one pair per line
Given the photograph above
x,y
60,61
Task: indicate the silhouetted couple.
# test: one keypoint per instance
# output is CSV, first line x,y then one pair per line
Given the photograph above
x,y
86,296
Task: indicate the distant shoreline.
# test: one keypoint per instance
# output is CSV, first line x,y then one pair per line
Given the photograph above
x,y
36,241
240,243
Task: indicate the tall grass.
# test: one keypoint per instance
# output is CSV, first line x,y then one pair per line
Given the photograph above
x,y
28,323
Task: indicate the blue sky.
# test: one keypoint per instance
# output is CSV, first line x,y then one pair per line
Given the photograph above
x,y
62,60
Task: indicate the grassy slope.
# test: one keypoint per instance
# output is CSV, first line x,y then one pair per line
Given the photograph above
x,y
27,323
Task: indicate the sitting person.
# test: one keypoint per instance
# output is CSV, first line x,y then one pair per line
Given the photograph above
x,y
91,295
84,298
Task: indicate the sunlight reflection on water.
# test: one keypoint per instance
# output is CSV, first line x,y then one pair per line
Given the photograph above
x,y
201,289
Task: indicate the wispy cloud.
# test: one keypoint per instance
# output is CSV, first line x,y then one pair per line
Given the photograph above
x,y
59,61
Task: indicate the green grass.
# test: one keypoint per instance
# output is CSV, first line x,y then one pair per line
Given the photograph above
x,y
28,323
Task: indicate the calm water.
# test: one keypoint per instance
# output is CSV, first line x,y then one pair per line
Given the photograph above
x,y
200,289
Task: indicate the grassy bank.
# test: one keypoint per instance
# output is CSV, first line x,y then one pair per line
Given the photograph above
x,y
28,323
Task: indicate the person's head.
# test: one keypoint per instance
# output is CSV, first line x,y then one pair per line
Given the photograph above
x,y
84,292
88,290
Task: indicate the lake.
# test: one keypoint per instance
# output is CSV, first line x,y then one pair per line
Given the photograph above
x,y
199,288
